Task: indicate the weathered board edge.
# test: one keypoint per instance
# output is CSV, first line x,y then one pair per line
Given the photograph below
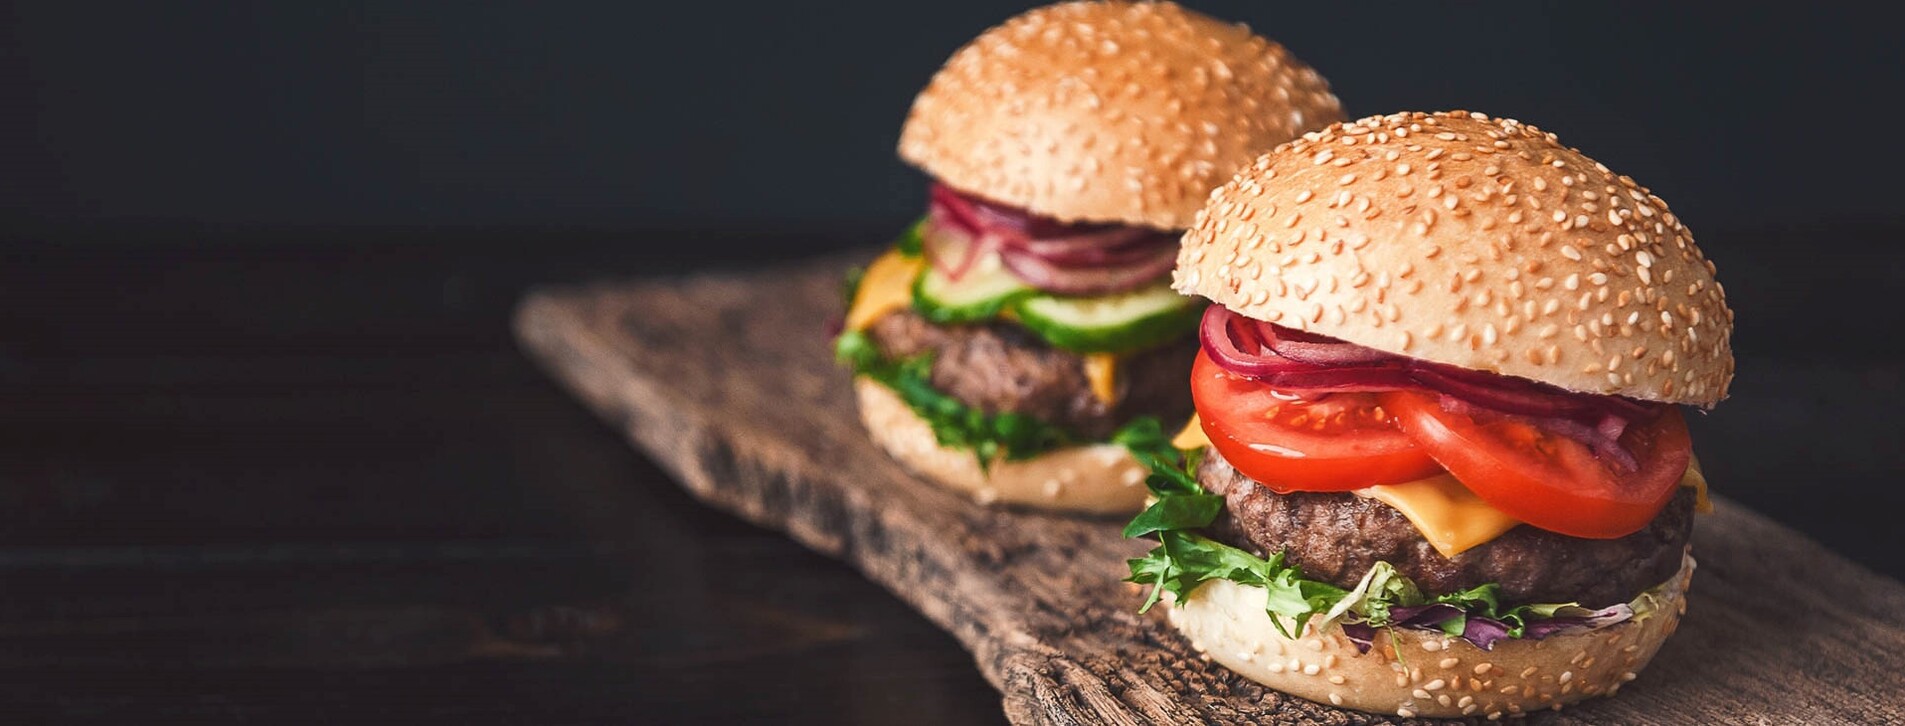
x,y
685,445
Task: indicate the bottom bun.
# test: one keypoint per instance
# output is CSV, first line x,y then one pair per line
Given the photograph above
x,y
1436,675
1098,479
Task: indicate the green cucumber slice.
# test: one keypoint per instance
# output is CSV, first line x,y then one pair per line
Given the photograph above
x,y
978,295
1115,323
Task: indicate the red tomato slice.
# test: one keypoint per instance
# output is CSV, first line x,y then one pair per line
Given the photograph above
x,y
1344,441
1551,482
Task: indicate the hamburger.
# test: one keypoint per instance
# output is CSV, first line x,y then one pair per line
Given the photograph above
x,y
1004,338
1438,465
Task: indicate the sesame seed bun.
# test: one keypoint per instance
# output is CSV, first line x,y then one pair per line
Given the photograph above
x,y
1095,479
1110,111
1472,241
1435,675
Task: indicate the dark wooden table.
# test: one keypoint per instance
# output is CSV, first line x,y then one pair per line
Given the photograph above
x,y
272,476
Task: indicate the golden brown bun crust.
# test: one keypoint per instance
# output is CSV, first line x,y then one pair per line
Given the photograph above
x,y
1477,242
1437,676
1110,111
1096,479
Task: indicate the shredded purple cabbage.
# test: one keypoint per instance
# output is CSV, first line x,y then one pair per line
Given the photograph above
x,y
1362,634
1425,617
1480,631
1579,624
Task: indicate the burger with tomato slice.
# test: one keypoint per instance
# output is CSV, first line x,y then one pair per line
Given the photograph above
x,y
1005,337
1438,465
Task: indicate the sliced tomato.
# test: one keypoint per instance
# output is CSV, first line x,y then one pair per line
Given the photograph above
x,y
1341,442
1549,481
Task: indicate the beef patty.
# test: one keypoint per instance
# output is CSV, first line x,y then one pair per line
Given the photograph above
x,y
1337,536
999,366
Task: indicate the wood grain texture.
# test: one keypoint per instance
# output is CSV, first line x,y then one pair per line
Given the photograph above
x,y
726,380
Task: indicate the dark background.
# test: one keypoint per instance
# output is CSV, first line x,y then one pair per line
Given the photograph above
x,y
631,115
268,453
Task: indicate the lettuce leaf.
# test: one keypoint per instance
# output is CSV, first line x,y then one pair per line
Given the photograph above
x,y
1008,435
910,243
1185,559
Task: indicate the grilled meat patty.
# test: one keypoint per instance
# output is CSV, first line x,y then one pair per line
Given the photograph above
x,y
1337,536
999,366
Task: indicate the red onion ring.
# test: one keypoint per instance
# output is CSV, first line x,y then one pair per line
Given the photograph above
x,y
1236,344
1072,259
1596,440
1050,277
938,236
1120,246
1317,352
1234,347
959,210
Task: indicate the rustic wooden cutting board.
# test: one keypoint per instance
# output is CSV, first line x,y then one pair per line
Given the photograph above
x,y
727,381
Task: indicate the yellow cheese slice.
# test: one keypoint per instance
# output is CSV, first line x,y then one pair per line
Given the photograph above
x,y
1447,514
1101,370
1698,480
887,286
1192,437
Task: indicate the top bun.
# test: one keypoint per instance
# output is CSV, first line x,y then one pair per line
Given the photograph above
x,y
1110,111
1472,241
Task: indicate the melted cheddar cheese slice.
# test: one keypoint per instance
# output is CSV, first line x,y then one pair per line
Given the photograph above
x,y
1447,514
887,286
1698,480
1192,437
1101,370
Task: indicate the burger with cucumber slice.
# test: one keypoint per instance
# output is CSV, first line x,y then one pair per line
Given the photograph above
x,y
1008,335
1438,465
